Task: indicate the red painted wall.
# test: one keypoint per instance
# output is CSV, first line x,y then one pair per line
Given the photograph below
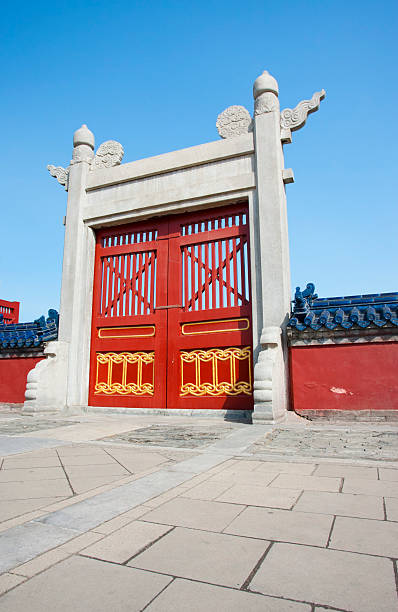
x,y
345,377
13,373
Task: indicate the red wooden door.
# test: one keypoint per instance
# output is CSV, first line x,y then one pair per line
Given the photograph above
x,y
209,332
172,315
128,338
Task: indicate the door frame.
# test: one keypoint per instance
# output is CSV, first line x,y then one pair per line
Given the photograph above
x,y
248,197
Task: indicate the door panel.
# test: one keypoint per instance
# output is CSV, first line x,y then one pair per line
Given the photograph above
x,y
172,315
128,349
209,334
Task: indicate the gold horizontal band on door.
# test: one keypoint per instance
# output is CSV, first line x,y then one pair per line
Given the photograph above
x,y
200,324
126,332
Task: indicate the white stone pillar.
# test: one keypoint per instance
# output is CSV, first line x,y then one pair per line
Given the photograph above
x,y
72,321
273,274
61,381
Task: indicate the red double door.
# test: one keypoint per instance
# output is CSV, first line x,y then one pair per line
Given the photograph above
x,y
172,315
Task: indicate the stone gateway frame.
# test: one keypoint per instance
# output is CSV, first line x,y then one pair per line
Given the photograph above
x,y
244,168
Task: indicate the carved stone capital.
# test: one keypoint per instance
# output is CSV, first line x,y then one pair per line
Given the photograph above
x,y
82,153
293,119
266,102
234,121
109,154
60,173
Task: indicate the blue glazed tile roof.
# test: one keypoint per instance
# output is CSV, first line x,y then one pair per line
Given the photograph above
x,y
351,311
31,335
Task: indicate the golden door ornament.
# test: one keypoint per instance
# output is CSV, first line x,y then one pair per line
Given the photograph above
x,y
215,357
124,386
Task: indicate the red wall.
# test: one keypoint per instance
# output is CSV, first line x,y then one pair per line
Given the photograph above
x,y
13,373
345,377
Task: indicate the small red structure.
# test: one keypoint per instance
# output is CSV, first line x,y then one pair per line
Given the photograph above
x,y
10,311
21,348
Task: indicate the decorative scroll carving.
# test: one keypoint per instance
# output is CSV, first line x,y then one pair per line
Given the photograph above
x,y
60,173
109,154
234,121
266,102
294,119
223,365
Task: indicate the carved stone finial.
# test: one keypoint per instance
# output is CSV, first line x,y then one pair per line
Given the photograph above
x,y
109,154
83,145
234,121
83,136
265,92
265,83
60,173
293,119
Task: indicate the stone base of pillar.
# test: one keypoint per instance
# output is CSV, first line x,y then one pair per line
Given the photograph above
x,y
263,414
46,383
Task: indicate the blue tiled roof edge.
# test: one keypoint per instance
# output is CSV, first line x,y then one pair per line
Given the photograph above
x,y
31,335
374,310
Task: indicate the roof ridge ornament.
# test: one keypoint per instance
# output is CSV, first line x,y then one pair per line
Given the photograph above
x,y
293,119
234,121
109,153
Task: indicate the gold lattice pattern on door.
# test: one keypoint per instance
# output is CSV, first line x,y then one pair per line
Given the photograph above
x,y
216,372
125,373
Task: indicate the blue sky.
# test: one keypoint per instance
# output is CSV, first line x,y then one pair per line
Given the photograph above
x,y
155,75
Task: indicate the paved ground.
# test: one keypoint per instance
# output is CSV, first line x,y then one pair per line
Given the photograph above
x,y
165,513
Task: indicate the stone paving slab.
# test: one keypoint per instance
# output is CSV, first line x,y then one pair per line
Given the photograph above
x,y
31,474
282,525
208,557
210,598
308,483
17,507
207,490
381,488
80,583
343,471
391,508
342,504
196,514
347,581
365,536
31,460
36,488
121,546
252,495
306,469
388,474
